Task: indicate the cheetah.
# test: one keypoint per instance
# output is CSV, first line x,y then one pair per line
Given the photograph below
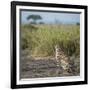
x,y
61,58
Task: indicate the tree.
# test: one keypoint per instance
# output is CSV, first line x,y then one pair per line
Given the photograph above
x,y
34,18
41,22
77,23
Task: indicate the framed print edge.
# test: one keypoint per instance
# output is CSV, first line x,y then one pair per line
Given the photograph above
x,y
14,84
13,45
86,44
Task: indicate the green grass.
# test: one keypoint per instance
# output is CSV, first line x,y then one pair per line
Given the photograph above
x,y
41,39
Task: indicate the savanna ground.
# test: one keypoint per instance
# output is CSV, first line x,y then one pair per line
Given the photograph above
x,y
38,42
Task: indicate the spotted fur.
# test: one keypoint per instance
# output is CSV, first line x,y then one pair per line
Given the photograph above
x,y
61,58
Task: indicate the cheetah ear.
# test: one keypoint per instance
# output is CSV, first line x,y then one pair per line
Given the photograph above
x,y
55,46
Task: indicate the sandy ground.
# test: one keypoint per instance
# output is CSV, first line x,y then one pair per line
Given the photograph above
x,y
41,67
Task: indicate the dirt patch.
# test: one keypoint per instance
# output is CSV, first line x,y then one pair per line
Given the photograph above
x,y
32,68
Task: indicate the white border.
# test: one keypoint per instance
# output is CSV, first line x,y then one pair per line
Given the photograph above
x,y
51,79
